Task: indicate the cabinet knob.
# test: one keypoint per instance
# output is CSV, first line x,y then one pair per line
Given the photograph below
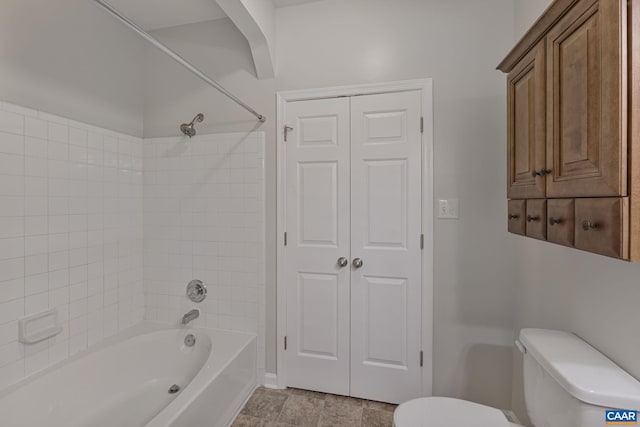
x,y
588,225
541,172
357,263
514,216
554,221
343,262
531,218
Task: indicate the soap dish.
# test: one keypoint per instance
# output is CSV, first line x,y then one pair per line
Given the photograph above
x,y
38,327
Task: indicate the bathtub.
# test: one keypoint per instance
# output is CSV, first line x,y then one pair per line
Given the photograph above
x,y
125,382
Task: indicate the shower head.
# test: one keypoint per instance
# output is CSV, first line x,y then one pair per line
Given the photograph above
x,y
189,128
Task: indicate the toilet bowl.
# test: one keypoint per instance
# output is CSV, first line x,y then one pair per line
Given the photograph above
x,y
448,412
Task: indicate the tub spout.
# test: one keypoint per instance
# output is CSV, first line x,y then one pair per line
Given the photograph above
x,y
191,315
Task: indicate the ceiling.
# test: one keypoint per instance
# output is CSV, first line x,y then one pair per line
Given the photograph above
x,y
155,14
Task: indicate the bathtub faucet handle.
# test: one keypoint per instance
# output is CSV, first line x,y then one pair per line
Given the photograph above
x,y
190,315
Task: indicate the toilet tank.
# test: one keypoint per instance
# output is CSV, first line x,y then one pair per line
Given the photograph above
x,y
568,383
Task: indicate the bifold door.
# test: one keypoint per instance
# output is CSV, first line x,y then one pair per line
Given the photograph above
x,y
353,256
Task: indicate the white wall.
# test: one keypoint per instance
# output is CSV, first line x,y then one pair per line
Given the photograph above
x,y
71,58
526,12
560,288
70,234
337,42
204,219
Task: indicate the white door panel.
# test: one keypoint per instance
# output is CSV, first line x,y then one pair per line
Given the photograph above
x,y
318,318
317,223
318,204
386,175
386,204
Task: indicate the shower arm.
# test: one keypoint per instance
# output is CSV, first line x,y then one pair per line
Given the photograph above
x,y
179,59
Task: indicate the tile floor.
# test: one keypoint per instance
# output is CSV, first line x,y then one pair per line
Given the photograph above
x,y
293,407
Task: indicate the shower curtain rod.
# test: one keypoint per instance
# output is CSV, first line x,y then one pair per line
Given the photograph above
x,y
180,60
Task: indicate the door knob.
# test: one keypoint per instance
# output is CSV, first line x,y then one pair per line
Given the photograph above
x,y
357,262
343,262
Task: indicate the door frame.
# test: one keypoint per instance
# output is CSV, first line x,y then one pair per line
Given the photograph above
x,y
426,88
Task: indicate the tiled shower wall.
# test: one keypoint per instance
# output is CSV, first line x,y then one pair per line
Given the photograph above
x,y
70,234
204,219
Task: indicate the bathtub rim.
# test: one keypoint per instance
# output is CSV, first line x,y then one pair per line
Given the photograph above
x,y
140,328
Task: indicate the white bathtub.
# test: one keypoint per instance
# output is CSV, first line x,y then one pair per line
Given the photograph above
x,y
124,382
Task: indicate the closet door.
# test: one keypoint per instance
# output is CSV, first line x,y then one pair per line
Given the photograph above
x,y
386,200
317,224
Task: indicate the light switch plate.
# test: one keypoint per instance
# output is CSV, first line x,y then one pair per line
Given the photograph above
x,y
448,208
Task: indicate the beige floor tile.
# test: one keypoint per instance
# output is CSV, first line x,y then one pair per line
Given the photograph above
x,y
376,418
340,413
246,421
265,404
301,411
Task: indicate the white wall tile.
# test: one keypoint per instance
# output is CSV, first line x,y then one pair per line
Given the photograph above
x,y
53,235
12,248
215,234
58,133
35,127
36,264
11,290
11,310
11,122
11,227
11,143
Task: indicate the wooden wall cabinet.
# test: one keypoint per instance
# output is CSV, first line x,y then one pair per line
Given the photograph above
x,y
572,142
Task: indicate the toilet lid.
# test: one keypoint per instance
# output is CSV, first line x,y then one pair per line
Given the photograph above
x,y
447,412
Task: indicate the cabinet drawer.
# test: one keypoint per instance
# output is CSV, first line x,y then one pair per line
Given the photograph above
x,y
560,221
537,219
516,218
601,226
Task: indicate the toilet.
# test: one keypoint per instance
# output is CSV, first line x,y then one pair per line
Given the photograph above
x,y
567,383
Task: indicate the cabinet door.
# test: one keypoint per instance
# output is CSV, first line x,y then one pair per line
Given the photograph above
x,y
602,226
517,216
560,220
526,126
586,142
537,219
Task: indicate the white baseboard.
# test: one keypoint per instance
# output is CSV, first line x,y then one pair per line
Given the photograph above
x,y
270,380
